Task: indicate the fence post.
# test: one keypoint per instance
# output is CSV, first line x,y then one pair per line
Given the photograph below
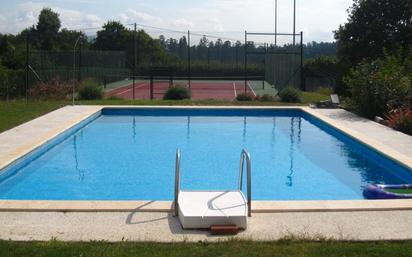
x,y
188,59
264,67
237,58
294,22
79,75
208,59
74,68
134,62
151,86
26,86
302,78
276,23
245,62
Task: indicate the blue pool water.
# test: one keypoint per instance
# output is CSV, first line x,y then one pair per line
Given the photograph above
x,y
130,155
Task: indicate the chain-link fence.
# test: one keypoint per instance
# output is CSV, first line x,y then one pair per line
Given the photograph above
x,y
122,57
281,56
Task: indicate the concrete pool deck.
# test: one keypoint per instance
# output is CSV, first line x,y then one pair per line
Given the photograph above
x,y
163,227
70,220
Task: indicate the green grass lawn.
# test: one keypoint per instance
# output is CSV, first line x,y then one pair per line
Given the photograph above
x,y
313,97
227,249
14,113
17,112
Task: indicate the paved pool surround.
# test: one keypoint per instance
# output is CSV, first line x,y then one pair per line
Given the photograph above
x,y
21,140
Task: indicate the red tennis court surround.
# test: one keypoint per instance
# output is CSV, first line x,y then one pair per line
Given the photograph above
x,y
200,90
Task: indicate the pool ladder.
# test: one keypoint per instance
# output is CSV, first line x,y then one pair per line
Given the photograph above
x,y
244,156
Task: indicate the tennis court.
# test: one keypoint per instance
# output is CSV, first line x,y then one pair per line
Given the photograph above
x,y
201,89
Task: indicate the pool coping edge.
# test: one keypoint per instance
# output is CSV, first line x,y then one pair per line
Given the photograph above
x,y
167,206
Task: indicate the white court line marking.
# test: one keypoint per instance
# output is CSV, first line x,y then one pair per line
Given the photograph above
x,y
130,89
123,92
253,91
234,89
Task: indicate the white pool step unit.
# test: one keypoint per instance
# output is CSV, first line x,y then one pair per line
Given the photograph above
x,y
204,209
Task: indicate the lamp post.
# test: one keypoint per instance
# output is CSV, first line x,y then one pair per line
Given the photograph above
x,y
294,22
74,67
276,22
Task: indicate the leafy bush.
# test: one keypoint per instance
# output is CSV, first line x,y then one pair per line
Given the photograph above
x,y
54,89
325,67
408,101
401,119
290,95
4,83
177,92
90,90
244,97
266,98
16,80
378,86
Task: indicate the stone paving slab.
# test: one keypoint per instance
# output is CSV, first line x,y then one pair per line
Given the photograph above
x,y
24,138
397,140
163,227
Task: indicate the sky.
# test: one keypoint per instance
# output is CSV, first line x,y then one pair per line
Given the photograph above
x,y
316,18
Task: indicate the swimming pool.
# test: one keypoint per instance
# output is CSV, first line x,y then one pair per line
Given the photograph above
x,y
128,154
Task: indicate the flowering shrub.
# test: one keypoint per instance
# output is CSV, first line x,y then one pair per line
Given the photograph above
x,y
378,86
54,89
401,119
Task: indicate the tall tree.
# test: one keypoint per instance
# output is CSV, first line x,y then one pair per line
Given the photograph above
x,y
172,45
183,47
48,28
162,41
203,42
374,25
67,39
314,49
6,49
113,36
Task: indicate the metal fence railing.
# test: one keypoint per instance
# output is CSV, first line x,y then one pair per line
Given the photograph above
x,y
114,53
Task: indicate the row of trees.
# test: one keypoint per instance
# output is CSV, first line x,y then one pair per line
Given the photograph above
x,y
48,35
209,56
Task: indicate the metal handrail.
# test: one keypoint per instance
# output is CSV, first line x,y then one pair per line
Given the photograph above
x,y
177,182
246,156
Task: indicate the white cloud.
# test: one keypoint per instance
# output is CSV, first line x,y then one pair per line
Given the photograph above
x,y
321,18
182,23
26,15
317,18
92,21
132,16
2,18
